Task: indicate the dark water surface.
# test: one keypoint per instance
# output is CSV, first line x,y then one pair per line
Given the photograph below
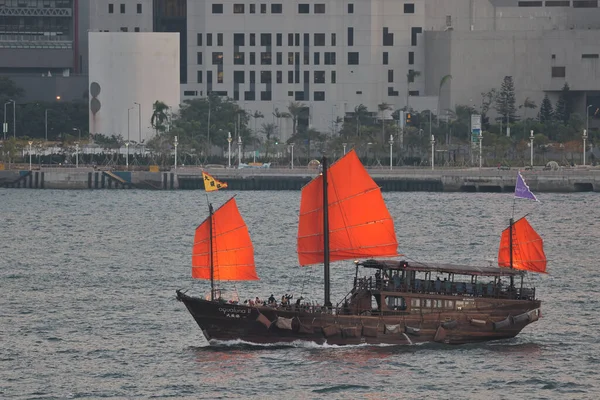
x,y
88,309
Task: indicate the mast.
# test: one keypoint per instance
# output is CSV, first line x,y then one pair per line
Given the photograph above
x,y
210,253
326,235
510,248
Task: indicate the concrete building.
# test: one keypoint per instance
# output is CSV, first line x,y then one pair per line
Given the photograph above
x,y
128,73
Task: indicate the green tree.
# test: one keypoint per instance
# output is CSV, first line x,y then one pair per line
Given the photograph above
x,y
256,115
270,132
564,105
410,78
546,111
295,111
505,101
383,107
160,116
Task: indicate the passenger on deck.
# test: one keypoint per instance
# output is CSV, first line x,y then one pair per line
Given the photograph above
x,y
378,279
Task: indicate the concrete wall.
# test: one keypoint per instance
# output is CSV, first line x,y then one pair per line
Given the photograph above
x,y
132,68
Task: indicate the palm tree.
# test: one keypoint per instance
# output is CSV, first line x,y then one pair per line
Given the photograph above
x,y
270,130
256,115
410,78
383,107
159,116
443,81
279,115
360,112
295,110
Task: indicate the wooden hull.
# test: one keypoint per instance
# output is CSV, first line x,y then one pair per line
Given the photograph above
x,y
224,321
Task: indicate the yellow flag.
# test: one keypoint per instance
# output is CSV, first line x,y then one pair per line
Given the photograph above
x,y
211,184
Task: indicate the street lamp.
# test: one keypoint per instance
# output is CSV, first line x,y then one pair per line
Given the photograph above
x,y
229,139
30,143
176,143
584,139
76,154
5,127
344,145
292,146
79,131
127,154
140,120
129,109
480,148
391,144
432,152
587,117
239,151
531,145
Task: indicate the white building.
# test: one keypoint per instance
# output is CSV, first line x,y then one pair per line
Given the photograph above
x,y
128,73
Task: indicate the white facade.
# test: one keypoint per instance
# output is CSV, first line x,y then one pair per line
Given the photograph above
x,y
120,15
132,72
278,52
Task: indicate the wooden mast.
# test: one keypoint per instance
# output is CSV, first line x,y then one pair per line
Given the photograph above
x,y
210,252
510,248
326,236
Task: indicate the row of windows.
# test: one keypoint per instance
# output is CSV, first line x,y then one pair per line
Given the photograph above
x,y
293,39
264,95
239,58
277,8
111,8
266,77
560,3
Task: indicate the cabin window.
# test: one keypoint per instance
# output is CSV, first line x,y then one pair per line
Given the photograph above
x,y
438,303
396,303
415,303
450,304
427,303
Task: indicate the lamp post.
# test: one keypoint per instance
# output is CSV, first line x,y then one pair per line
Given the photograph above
x,y
127,154
292,146
176,143
584,139
5,127
30,143
46,121
239,151
79,133
14,119
76,154
229,139
344,145
391,144
432,152
587,117
531,145
430,120
140,120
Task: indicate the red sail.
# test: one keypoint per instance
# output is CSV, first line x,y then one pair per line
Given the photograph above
x,y
360,224
233,254
527,248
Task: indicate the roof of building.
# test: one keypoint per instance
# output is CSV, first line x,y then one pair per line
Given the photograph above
x,y
440,267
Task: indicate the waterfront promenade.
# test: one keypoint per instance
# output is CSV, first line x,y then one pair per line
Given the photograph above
x,y
577,179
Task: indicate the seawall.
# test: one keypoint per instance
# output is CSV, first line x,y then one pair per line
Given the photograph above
x,y
399,179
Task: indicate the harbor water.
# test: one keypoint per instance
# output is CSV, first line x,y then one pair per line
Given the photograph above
x,y
88,306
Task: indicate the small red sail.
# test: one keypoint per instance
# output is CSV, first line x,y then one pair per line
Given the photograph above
x,y
527,248
360,224
233,254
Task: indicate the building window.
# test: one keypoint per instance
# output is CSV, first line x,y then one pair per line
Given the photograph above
x,y
265,96
299,96
392,92
265,58
297,77
413,35
136,29
252,39
385,58
350,36
319,77
306,58
290,39
319,8
390,75
306,39
333,76
353,58
350,8
124,29
265,39
265,76
190,93
558,3
238,8
209,39
279,58
297,39
139,8
413,93
411,76
219,39
589,56
279,39
217,58
199,58
290,76
319,96
199,77
333,39
238,39
122,8
303,8
388,38
252,8
330,58
409,8
217,8
199,39
290,58
276,8
111,8
252,77
209,77
239,58
279,77
317,58
252,58
250,96
585,4
238,76
530,4
319,39
263,8
411,57
220,77
559,72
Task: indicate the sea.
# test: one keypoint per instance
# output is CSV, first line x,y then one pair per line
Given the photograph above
x,y
88,307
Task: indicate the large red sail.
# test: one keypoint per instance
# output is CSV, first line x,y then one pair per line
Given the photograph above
x,y
232,251
527,248
360,224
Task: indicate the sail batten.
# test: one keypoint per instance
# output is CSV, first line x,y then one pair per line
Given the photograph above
x,y
232,251
360,224
526,249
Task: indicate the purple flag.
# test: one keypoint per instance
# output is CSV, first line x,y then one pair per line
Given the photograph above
x,y
522,190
